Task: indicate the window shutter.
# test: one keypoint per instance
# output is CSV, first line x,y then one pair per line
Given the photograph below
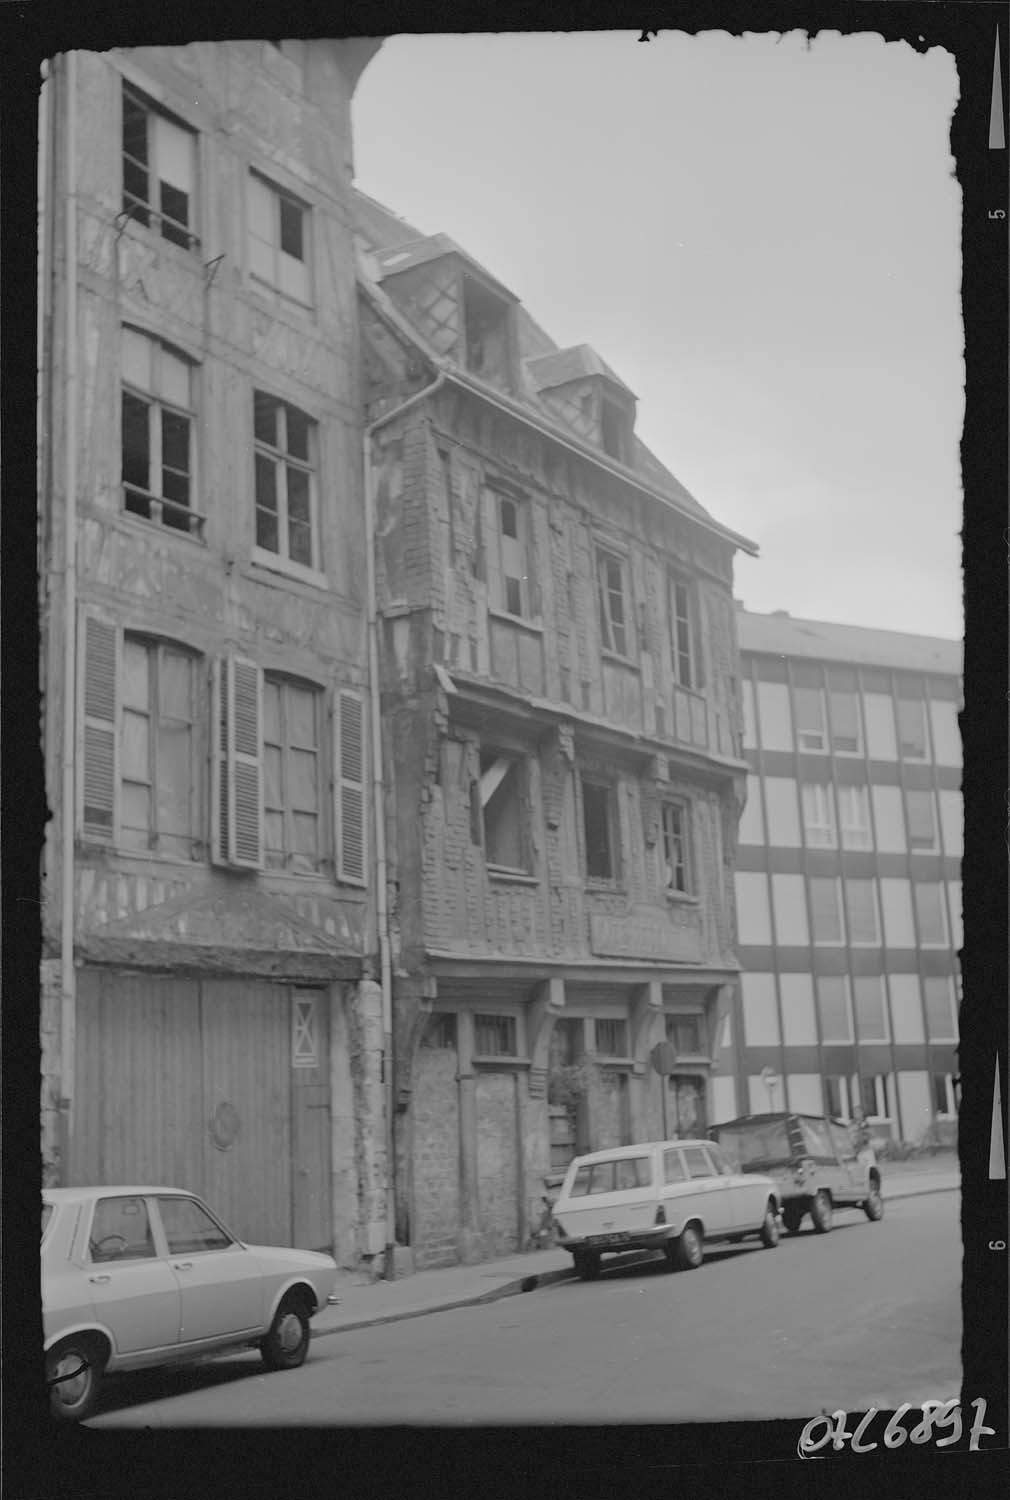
x,y
100,739
491,548
350,788
236,781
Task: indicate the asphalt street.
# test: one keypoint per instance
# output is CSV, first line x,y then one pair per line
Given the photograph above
x,y
868,1315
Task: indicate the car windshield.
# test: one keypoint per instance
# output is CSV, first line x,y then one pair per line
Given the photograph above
x,y
755,1145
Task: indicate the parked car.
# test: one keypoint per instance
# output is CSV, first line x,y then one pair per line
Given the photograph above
x,y
134,1277
672,1196
816,1165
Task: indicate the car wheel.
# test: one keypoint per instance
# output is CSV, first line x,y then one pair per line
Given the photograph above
x,y
587,1265
287,1343
820,1212
689,1250
792,1218
74,1376
770,1228
873,1208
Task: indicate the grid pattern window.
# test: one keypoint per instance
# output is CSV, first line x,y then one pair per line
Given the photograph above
x,y
843,703
440,1031
833,1009
599,815
502,811
676,849
682,631
615,621
157,409
685,1032
870,1008
874,1097
826,910
941,1013
495,1036
929,911
508,574
819,826
612,1037
920,810
861,900
286,504
854,817
292,776
913,736
159,170
159,758
808,716
279,238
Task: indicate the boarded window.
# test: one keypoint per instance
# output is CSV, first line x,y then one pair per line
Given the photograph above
x,y
351,788
597,819
236,785
495,1036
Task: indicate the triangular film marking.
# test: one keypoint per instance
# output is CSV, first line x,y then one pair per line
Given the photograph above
x,y
997,1155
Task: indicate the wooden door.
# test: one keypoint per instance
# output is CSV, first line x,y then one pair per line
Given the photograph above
x,y
310,1120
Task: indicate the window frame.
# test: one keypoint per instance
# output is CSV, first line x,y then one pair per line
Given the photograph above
x,y
876,941
282,459
156,646
324,855
943,940
844,1088
911,755
513,1020
157,405
500,576
518,769
143,211
672,807
677,580
924,796
823,733
91,1243
882,1092
823,942
950,1113
952,1007
621,1054
836,749
885,1031
279,196
860,800
600,784
838,1041
823,793
607,557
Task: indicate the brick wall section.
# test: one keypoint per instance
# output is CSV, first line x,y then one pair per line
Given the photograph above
x,y
435,1218
497,1162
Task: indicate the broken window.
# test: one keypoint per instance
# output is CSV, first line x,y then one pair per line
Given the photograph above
x,y
159,170
486,319
440,1031
501,799
676,872
614,624
508,553
598,813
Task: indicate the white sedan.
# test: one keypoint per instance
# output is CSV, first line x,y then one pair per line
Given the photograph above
x,y
134,1277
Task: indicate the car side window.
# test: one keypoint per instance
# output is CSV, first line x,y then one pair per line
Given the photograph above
x,y
633,1172
722,1167
697,1162
189,1228
673,1167
121,1230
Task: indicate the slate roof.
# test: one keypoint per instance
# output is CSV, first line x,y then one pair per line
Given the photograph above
x,y
431,247
566,365
782,635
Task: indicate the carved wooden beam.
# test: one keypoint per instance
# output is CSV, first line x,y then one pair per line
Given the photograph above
x,y
647,1005
548,1005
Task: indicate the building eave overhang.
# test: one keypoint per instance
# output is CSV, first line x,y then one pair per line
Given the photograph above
x,y
449,964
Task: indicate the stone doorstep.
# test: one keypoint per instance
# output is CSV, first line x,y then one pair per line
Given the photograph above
x,y
420,1300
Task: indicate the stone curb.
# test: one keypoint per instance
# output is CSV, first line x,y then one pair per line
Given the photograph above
x,y
535,1281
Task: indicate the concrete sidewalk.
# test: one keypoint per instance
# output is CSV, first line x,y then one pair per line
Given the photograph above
x,y
366,1303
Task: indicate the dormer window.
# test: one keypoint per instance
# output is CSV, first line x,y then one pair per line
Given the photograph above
x,y
614,430
486,321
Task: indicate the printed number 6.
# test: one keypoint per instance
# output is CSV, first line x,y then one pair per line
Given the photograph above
x,y
997,1244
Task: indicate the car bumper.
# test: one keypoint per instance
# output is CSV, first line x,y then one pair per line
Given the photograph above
x,y
640,1239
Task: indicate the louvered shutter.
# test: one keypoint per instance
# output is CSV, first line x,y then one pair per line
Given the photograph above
x,y
99,730
350,788
236,781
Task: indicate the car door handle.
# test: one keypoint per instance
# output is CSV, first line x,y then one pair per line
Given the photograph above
x,y
100,1279
182,1265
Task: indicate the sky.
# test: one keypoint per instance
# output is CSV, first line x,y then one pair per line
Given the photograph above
x,y
761,236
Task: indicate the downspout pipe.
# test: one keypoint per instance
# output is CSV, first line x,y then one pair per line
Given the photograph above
x,y
68,982
378,814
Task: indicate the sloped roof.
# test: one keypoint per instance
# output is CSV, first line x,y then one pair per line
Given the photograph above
x,y
782,635
389,236
566,365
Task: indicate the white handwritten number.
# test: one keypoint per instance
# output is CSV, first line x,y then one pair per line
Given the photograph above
x,y
858,1446
807,1445
895,1434
950,1418
977,1428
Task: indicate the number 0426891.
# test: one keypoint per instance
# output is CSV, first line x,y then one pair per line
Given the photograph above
x,y
937,1417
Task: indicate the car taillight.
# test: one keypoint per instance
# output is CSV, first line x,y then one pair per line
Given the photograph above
x,y
660,1215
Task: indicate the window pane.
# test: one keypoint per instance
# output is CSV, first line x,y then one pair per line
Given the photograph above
x,y
136,442
175,447
135,815
509,521
291,228
174,150
136,679
175,778
673,1167
596,821
273,778
844,721
134,128
265,413
174,206
912,727
271,711
134,754
929,909
136,357
301,716
188,1229
273,839
305,839
495,1036
862,911
120,1230
174,685
173,378
298,496
513,596
266,504
697,1162
826,911
612,1038
868,998
300,543
809,711
939,1010
921,819
833,1010
303,792
297,433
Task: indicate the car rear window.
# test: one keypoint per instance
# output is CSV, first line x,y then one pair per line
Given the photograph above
x,y
755,1145
817,1135
611,1176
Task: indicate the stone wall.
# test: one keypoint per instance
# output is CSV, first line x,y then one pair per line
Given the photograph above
x,y
436,1218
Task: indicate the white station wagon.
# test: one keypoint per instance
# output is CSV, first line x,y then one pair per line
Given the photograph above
x,y
663,1195
134,1277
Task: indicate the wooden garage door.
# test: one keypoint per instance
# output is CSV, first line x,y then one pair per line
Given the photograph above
x,y
192,1084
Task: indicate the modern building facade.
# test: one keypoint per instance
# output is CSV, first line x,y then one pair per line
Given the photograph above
x,y
848,874
563,756
209,1018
